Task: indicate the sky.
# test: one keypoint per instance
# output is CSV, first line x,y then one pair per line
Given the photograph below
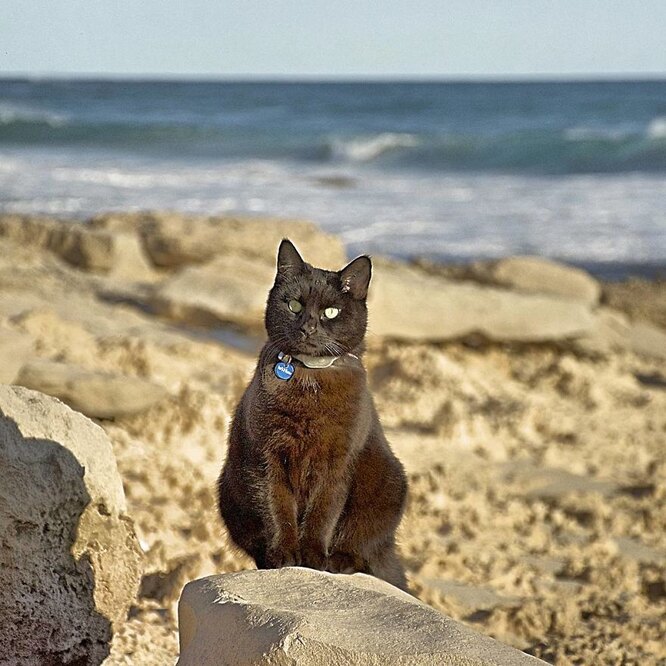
x,y
334,38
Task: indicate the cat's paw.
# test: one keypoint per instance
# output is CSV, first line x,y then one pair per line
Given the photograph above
x,y
341,562
283,555
314,556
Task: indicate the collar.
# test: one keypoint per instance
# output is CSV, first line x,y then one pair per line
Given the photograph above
x,y
314,362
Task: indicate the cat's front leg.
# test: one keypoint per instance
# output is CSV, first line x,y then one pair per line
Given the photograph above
x,y
319,522
283,554
346,563
314,554
283,544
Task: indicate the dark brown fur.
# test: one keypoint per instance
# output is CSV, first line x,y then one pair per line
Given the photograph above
x,y
310,478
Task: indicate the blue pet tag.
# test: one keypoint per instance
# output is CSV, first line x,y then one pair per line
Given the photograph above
x,y
284,369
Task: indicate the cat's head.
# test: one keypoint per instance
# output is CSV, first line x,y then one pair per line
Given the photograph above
x,y
316,312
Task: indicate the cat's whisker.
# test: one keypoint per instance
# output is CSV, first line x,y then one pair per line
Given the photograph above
x,y
335,348
329,348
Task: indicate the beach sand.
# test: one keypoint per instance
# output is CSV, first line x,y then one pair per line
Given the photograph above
x,y
537,505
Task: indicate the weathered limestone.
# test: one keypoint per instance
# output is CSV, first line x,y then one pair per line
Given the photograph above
x,y
550,483
14,351
306,617
172,240
539,275
230,289
633,549
69,557
406,303
470,599
613,331
129,261
647,339
96,394
610,331
80,245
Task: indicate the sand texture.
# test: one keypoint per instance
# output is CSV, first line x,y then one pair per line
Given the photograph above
x,y
537,464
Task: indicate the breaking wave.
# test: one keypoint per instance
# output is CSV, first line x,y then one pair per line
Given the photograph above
x,y
557,151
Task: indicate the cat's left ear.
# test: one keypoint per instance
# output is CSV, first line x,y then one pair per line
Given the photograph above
x,y
355,277
288,257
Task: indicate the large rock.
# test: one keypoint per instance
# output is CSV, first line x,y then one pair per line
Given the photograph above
x,y
230,289
95,394
406,303
15,348
87,248
539,275
307,617
69,557
173,240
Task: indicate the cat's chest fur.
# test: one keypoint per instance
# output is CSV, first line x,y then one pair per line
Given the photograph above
x,y
313,430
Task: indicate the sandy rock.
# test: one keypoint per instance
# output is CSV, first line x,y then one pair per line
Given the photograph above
x,y
468,598
130,262
648,340
639,299
544,564
15,349
95,394
230,289
70,561
172,240
90,249
551,483
611,331
635,550
406,303
81,247
84,248
27,231
539,275
302,616
165,585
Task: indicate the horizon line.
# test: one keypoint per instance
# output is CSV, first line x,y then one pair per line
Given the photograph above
x,y
546,77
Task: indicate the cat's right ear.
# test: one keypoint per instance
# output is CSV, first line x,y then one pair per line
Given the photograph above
x,y
355,277
288,258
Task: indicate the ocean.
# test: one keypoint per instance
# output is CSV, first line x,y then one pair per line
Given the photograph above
x,y
451,171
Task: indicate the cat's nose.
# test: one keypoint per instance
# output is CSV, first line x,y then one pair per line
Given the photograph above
x,y
308,328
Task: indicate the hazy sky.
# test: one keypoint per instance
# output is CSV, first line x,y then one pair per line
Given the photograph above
x,y
487,38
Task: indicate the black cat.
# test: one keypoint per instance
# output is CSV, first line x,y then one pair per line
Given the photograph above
x,y
310,478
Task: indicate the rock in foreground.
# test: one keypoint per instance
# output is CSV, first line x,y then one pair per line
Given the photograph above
x,y
306,617
69,557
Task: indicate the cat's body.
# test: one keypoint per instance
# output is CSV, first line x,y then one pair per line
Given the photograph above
x,y
310,478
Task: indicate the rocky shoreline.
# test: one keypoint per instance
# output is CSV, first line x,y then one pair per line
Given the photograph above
x,y
526,400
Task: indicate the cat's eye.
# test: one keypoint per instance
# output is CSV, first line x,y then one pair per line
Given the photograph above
x,y
331,313
295,306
